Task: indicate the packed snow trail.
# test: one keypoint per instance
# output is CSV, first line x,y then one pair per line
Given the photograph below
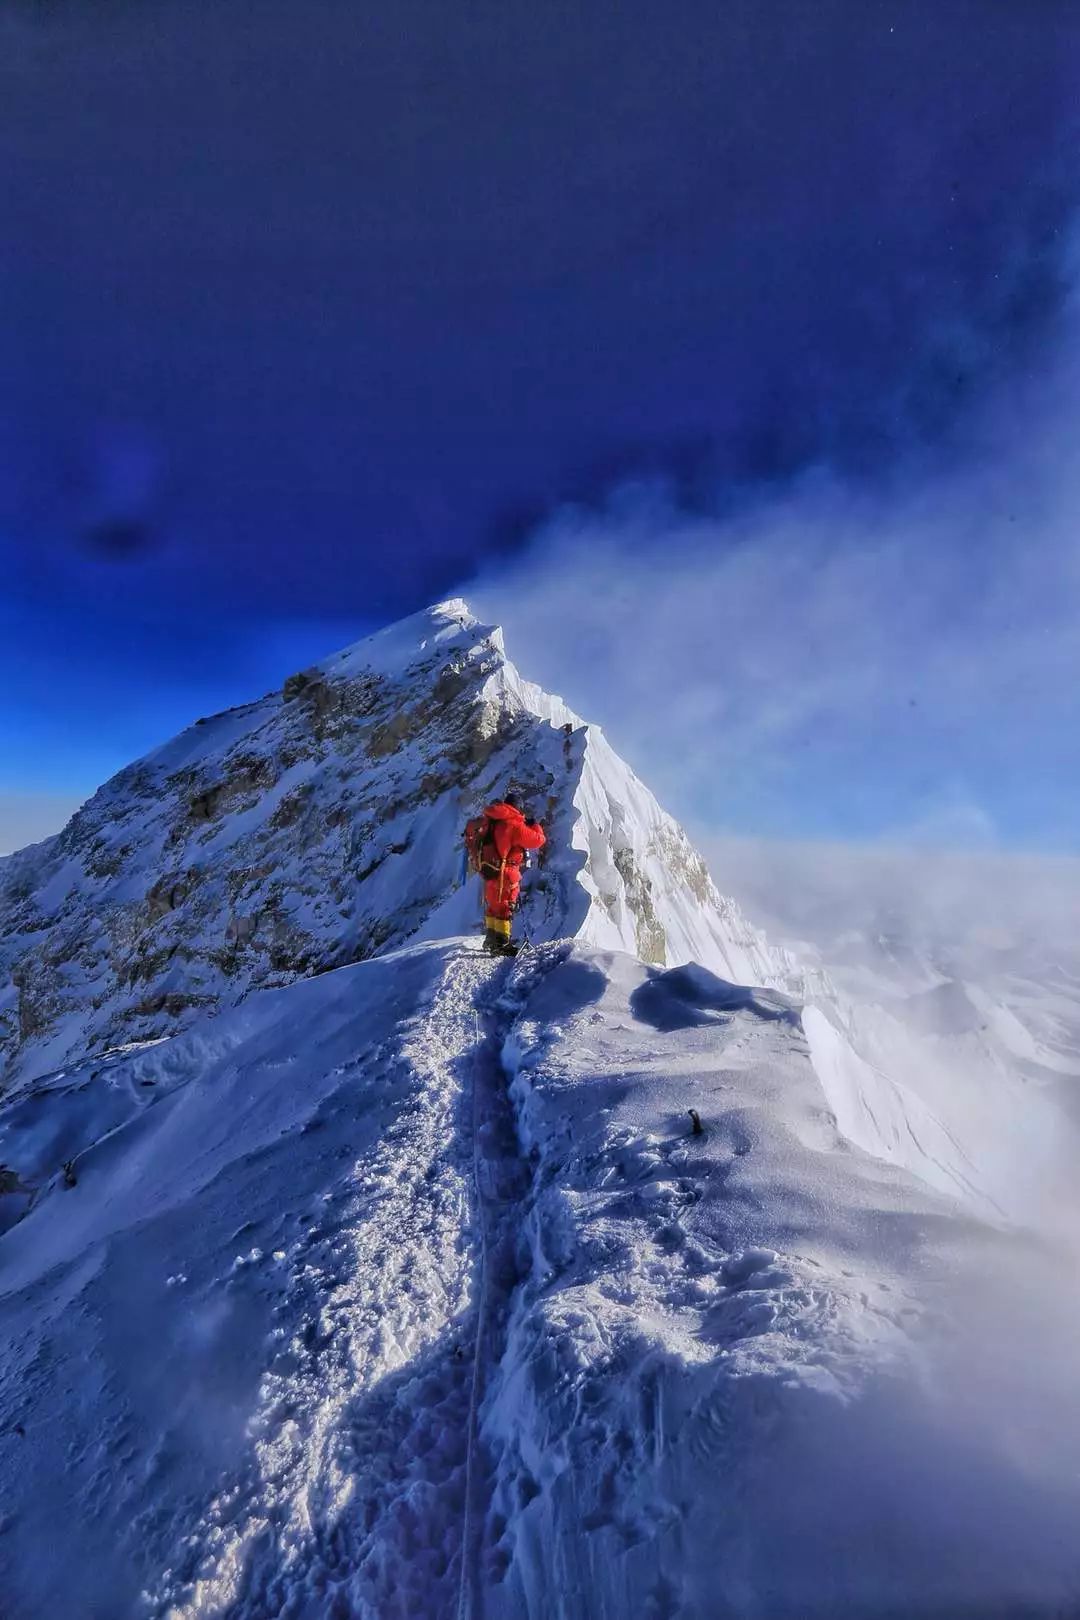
x,y
262,1303
364,1463
337,1325
500,1180
306,1333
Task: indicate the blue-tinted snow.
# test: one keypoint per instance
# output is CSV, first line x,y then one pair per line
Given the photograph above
x,y
407,1290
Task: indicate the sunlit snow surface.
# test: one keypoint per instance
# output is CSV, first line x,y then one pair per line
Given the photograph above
x,y
347,1273
408,1291
321,825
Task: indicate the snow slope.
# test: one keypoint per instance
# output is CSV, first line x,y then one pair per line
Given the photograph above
x,y
346,1272
321,825
727,1365
406,1291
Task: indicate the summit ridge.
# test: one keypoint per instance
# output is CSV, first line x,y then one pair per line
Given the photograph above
x,y
320,825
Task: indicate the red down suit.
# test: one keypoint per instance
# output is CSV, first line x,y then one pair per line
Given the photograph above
x,y
506,837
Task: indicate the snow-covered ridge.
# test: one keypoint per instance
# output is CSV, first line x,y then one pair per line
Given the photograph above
x,y
463,1315
406,1292
320,825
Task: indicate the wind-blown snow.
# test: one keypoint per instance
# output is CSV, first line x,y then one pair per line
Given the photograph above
x,y
724,1365
333,1321
322,825
347,1272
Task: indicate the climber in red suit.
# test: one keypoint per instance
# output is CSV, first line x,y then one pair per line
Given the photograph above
x,y
496,843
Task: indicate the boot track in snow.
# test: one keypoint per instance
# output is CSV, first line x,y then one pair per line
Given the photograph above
x,y
367,1487
501,1182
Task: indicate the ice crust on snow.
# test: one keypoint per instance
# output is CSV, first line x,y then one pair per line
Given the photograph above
x,y
344,1271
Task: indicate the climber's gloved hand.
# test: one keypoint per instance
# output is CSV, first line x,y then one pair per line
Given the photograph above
x,y
530,821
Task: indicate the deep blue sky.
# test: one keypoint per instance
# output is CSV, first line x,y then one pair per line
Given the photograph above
x,y
308,309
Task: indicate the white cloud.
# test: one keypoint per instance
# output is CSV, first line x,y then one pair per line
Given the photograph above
x,y
825,892
833,660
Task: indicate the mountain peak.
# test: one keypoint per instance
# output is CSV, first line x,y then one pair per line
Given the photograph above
x,y
321,825
478,1271
438,629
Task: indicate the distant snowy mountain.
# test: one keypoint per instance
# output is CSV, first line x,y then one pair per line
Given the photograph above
x,y
321,825
346,1272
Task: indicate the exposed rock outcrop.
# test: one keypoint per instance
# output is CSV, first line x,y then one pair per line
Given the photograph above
x,y
321,825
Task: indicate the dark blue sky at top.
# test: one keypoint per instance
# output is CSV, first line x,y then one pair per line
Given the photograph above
x,y
307,309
